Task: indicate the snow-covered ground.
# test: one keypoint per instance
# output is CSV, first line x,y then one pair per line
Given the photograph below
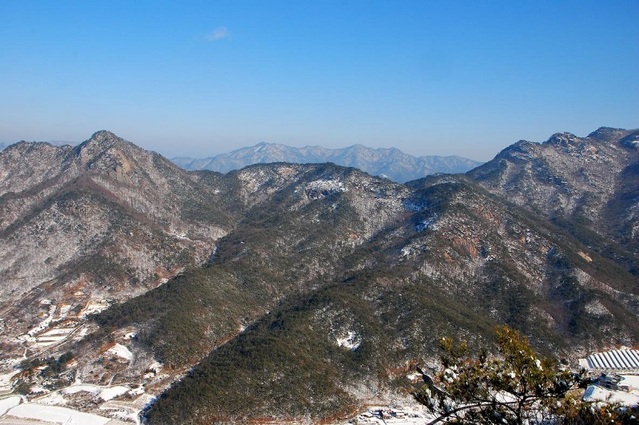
x,y
384,415
8,403
121,351
116,403
5,380
104,393
596,393
350,341
51,407
113,392
632,381
30,336
625,398
52,336
94,307
413,414
55,414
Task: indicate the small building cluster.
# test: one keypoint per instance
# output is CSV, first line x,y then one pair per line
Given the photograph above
x,y
615,376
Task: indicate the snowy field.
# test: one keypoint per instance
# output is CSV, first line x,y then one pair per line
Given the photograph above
x,y
13,410
55,414
8,403
50,408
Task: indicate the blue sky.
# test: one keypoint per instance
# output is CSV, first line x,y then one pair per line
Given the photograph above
x,y
429,77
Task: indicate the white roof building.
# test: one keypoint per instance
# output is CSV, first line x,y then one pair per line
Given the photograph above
x,y
614,361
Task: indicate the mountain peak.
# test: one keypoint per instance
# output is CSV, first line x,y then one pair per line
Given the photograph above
x,y
563,139
101,142
522,147
108,152
103,134
607,133
105,137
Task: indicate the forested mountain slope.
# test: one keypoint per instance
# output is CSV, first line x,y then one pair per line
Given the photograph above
x,y
453,260
104,220
299,292
586,185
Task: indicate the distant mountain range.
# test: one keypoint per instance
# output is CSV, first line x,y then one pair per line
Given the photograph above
x,y
388,162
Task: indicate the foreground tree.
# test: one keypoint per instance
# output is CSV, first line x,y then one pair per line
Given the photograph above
x,y
516,387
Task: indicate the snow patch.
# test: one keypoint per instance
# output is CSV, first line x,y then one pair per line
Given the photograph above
x,y
425,224
414,206
5,380
104,393
8,403
138,391
596,308
399,415
37,389
56,414
52,336
413,249
64,310
94,307
52,399
156,366
43,325
320,188
76,388
351,341
121,351
113,392
632,381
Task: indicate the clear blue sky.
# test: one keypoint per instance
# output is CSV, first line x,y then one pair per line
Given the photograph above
x,y
429,77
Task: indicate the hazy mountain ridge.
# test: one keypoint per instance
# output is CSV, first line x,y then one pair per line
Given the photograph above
x,y
319,282
389,162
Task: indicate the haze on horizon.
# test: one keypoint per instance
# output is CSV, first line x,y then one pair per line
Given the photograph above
x,y
199,78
